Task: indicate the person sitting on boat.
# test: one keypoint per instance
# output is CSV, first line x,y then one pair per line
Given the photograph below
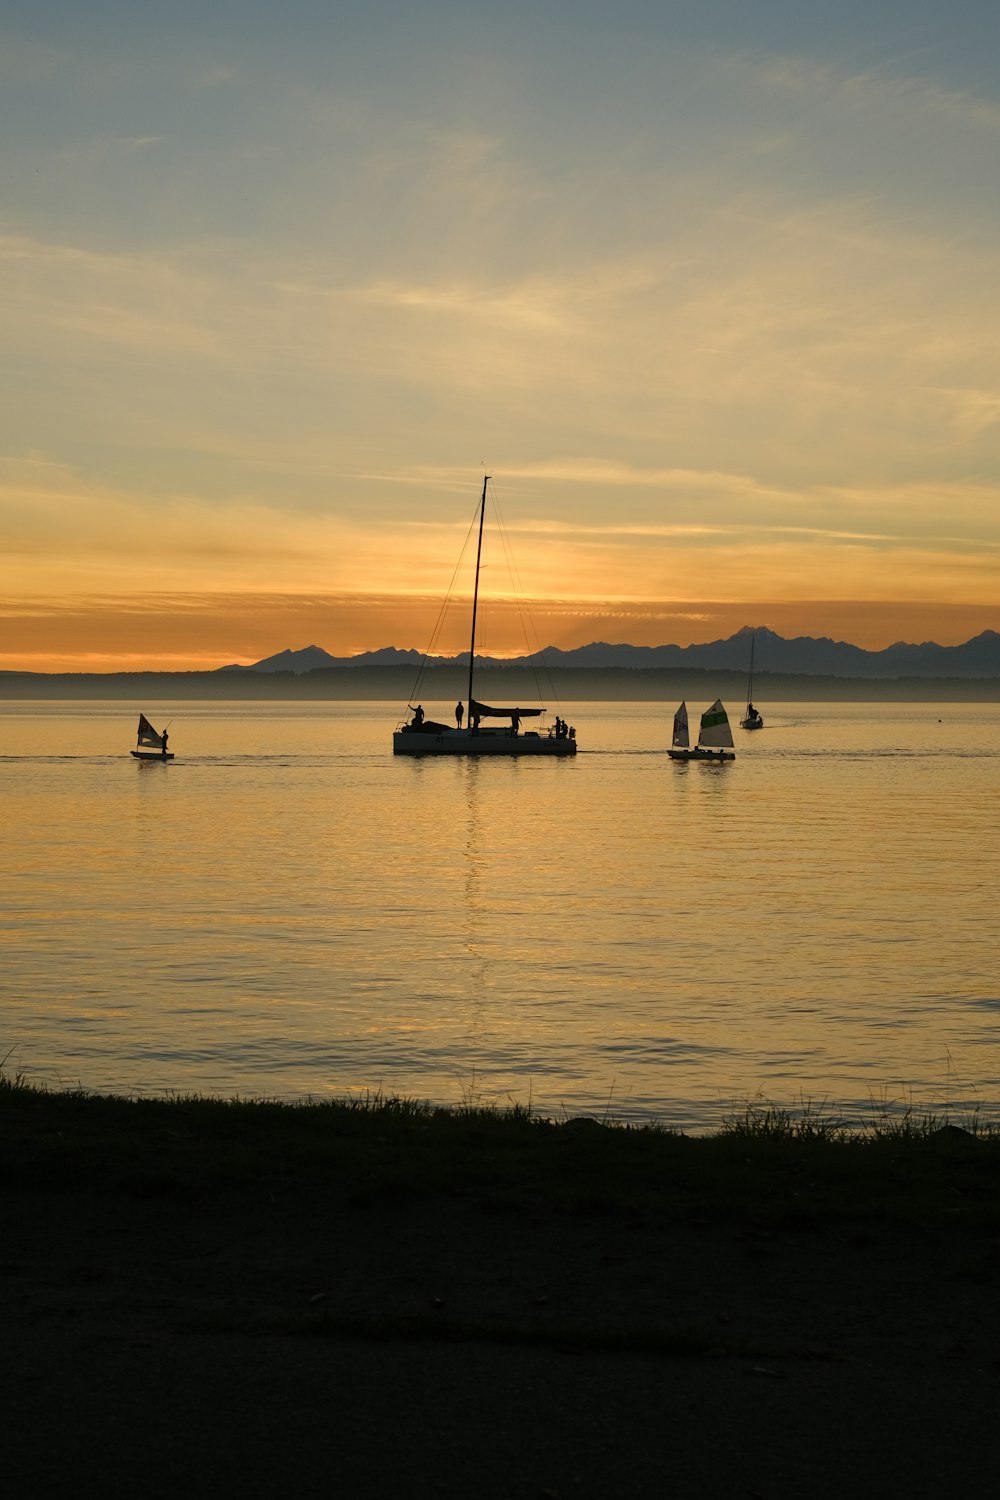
x,y
475,723
751,711
418,716
459,712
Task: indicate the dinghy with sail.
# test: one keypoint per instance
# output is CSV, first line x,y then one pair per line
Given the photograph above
x,y
681,738
752,718
149,744
715,737
420,735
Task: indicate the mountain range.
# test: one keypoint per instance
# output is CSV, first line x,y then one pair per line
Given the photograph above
x,y
822,657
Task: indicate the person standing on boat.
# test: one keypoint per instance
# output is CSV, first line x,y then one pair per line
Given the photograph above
x,y
163,747
515,724
418,716
459,711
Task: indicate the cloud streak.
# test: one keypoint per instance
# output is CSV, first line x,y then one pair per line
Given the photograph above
x,y
720,322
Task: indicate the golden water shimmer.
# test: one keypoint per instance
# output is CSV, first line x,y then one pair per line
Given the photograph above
x,y
287,910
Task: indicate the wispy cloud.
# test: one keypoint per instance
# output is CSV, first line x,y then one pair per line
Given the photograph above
x,y
884,88
66,534
218,76
720,323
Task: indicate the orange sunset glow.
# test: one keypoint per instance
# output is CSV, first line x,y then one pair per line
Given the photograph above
x,y
499,748
753,381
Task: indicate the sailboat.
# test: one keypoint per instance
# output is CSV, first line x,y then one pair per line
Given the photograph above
x,y
715,738
149,744
423,736
752,719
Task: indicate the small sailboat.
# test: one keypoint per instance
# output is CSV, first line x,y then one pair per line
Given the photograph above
x,y
423,736
149,744
681,738
715,737
752,718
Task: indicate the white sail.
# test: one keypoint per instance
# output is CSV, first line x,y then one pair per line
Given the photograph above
x,y
715,732
681,739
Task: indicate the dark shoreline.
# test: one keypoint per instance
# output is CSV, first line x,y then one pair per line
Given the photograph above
x,y
63,1137
219,1299
565,685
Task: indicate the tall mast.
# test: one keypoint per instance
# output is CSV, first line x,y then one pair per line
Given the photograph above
x,y
475,592
753,637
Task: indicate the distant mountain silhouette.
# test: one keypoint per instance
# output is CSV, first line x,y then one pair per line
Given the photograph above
x,y
804,655
821,657
314,658
305,660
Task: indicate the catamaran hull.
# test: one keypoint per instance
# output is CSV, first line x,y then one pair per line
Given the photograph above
x,y
714,755
151,755
461,742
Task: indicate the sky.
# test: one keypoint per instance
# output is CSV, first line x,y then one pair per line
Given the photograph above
x,y
710,289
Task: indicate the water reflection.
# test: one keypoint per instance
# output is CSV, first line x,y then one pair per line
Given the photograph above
x,y
316,915
474,915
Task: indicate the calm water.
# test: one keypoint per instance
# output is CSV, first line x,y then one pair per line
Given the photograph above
x,y
286,910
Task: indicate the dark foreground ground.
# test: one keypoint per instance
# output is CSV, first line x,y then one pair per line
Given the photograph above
x,y
209,1300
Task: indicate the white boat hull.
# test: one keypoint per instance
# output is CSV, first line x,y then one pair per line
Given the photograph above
x,y
151,754
486,742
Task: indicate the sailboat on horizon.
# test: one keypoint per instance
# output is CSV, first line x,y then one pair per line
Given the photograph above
x,y
715,737
422,736
752,718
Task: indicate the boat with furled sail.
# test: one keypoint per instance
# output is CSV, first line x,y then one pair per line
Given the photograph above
x,y
752,718
715,737
423,736
149,744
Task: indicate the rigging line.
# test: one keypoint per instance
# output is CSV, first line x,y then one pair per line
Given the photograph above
x,y
443,609
517,589
505,547
536,657
487,602
484,618
535,651
485,632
